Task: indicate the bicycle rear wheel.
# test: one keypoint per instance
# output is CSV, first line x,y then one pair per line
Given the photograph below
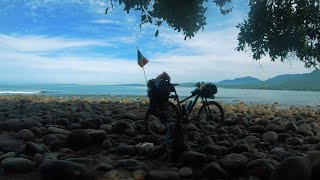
x,y
157,121
210,117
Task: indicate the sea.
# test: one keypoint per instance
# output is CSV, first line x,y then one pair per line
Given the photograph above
x,y
224,95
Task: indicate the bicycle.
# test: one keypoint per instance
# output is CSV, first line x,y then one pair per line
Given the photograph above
x,y
209,117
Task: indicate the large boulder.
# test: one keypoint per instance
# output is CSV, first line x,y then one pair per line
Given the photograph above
x,y
18,164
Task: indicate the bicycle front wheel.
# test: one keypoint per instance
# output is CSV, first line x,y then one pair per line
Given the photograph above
x,y
210,117
157,121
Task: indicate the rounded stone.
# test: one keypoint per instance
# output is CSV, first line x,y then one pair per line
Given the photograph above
x,y
79,139
293,168
233,161
185,172
17,164
270,137
25,134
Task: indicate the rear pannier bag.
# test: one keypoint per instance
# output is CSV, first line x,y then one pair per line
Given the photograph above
x,y
158,90
208,90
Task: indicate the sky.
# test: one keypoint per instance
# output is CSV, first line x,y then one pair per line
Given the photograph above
x,y
75,42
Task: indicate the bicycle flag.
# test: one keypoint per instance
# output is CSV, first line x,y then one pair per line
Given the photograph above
x,y
141,59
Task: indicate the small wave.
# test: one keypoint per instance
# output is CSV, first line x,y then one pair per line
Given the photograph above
x,y
20,92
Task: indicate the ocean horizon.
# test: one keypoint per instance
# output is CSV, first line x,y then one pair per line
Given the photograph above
x,y
225,95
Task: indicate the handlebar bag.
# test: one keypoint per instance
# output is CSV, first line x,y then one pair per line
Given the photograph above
x,y
208,90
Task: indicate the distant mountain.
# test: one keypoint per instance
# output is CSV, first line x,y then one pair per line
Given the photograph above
x,y
307,81
239,81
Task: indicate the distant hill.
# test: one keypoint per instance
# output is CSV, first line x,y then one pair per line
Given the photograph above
x,y
307,81
239,81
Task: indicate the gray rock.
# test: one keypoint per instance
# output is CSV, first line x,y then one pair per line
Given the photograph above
x,y
213,149
25,134
10,125
36,131
270,137
104,167
30,123
112,175
251,141
291,126
61,169
106,144
10,145
18,164
185,172
262,168
294,141
55,130
38,159
125,149
162,175
62,122
193,158
7,155
120,126
131,164
257,129
139,174
32,148
92,123
293,168
234,161
78,139
213,170
97,135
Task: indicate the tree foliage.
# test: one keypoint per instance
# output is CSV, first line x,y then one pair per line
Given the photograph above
x,y
283,28
278,28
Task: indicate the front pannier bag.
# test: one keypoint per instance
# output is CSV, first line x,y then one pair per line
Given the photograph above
x,y
208,90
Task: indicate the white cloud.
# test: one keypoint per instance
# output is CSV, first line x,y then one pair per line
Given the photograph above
x,y
106,21
34,43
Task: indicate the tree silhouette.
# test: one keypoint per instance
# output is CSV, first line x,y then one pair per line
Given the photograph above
x,y
278,28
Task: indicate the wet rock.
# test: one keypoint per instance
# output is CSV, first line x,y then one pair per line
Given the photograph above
x,y
293,168
270,137
193,158
162,175
25,134
131,164
213,170
61,169
78,139
17,164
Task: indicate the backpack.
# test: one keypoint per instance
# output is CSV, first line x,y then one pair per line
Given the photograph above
x,y
158,90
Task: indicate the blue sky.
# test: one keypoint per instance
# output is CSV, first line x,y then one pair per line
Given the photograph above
x,y
74,41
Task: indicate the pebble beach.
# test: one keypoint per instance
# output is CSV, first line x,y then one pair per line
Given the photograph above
x,y
87,138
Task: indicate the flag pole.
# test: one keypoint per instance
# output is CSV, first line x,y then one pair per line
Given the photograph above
x,y
145,77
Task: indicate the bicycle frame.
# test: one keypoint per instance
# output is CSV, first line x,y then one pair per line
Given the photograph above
x,y
195,94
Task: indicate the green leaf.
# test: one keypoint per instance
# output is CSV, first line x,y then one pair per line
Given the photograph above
x,y
156,34
107,11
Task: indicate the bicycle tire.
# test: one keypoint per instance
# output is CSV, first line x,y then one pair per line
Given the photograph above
x,y
212,119
152,119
